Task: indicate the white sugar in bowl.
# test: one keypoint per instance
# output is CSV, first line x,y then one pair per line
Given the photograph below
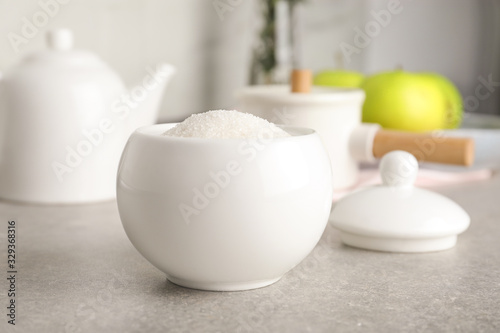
x,y
224,214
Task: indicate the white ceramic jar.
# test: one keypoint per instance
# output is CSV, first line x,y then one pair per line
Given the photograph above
x,y
224,214
333,113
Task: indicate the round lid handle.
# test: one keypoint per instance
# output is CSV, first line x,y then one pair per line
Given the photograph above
x,y
398,169
60,40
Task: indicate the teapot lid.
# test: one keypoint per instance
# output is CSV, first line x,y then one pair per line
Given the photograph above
x,y
396,216
61,39
60,49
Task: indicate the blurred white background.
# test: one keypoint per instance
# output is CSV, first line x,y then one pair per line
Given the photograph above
x,y
458,38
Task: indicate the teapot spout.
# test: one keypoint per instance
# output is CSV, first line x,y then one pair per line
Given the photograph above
x,y
147,95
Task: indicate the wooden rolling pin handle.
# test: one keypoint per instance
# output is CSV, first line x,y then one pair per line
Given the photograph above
x,y
436,148
301,81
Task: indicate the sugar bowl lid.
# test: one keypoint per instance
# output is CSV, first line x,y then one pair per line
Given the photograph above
x,y
396,216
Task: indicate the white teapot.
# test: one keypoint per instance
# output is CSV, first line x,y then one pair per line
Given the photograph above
x,y
65,117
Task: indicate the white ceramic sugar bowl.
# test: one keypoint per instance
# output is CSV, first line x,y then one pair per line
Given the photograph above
x,y
396,216
224,214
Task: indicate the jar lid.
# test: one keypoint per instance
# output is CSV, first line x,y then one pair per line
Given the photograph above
x,y
281,94
396,216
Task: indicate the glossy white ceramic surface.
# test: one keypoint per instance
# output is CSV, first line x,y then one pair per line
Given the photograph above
x,y
333,113
64,125
396,216
224,214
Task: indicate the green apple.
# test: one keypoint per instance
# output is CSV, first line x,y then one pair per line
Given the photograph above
x,y
454,104
339,78
406,101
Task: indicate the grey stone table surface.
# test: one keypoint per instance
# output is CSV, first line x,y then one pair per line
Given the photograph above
x,y
78,272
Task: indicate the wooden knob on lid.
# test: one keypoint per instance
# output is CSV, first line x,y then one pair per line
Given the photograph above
x,y
301,81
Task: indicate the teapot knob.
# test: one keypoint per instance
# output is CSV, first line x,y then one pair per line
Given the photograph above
x,y
399,169
60,40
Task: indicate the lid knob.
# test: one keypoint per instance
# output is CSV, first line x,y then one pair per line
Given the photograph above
x,y
60,40
398,169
